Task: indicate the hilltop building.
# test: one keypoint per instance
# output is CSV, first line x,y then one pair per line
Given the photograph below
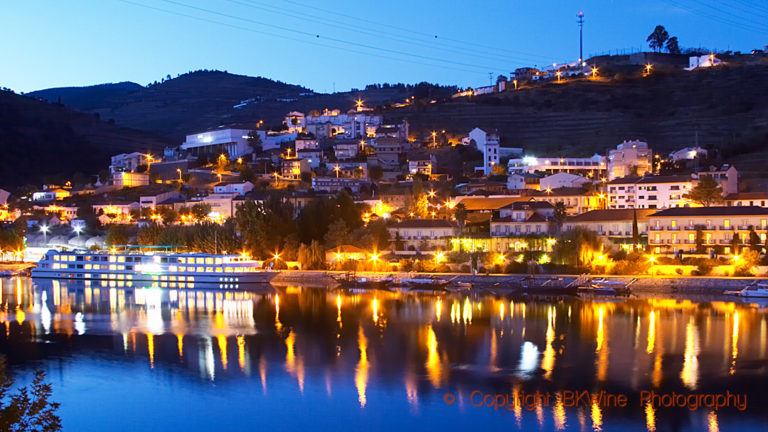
x,y
629,158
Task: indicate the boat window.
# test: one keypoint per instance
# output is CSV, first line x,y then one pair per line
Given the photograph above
x,y
129,267
79,258
164,260
218,261
55,257
121,259
199,261
172,268
209,260
182,260
209,269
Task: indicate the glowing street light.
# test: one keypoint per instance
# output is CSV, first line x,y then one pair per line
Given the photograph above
x,y
434,139
149,161
240,161
594,72
45,229
178,170
78,229
559,74
648,69
337,169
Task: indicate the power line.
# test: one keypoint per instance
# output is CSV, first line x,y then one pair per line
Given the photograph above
x,y
378,34
428,35
308,42
716,16
356,44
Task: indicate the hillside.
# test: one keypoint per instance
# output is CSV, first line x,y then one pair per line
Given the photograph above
x,y
720,107
207,99
40,141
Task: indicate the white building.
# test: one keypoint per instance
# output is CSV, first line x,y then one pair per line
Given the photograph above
x,y
629,158
726,176
128,162
241,188
346,150
653,192
354,124
704,61
233,142
592,167
488,143
123,179
688,153
562,180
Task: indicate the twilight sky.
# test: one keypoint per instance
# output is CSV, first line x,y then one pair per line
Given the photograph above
x,y
52,43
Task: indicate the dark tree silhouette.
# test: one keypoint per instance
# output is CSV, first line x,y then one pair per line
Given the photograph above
x,y
672,45
657,38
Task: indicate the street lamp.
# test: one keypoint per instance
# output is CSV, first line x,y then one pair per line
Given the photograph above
x,y
648,69
178,170
559,74
337,169
45,229
149,161
434,139
78,229
594,72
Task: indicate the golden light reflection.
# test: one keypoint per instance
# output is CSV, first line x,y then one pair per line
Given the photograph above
x,y
650,417
433,366
690,373
602,349
597,415
467,311
712,424
501,311
438,308
263,373
338,309
548,360
734,343
361,372
222,349
558,413
375,310
278,324
517,406
411,389
151,349
180,344
241,351
651,332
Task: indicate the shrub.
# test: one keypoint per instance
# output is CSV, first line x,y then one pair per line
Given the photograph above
x,y
704,268
464,268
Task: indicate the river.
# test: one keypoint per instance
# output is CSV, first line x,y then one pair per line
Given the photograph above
x,y
313,359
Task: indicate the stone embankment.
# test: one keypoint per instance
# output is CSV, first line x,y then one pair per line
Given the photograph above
x,y
507,282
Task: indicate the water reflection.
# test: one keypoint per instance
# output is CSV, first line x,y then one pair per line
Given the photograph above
x,y
373,351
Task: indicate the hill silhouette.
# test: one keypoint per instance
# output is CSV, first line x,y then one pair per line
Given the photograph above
x,y
40,141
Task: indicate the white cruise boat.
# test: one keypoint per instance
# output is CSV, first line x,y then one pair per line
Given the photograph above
x,y
163,270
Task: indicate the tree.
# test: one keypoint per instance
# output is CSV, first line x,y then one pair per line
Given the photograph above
x,y
28,409
418,203
635,230
265,226
657,38
337,234
200,211
672,45
254,140
735,244
706,192
375,172
117,235
559,216
460,213
754,240
699,239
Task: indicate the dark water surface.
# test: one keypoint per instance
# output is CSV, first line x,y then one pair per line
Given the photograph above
x,y
310,359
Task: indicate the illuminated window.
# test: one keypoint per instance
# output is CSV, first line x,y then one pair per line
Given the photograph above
x,y
112,258
674,224
218,261
182,260
200,270
172,268
727,223
209,260
56,257
121,267
218,269
209,269
199,261
113,267
121,259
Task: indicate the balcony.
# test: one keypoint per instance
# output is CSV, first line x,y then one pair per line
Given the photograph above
x,y
725,228
673,228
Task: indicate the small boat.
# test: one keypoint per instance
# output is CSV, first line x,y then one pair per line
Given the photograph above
x,y
605,286
754,290
554,286
430,284
351,282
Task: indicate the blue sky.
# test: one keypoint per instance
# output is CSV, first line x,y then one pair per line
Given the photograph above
x,y
51,43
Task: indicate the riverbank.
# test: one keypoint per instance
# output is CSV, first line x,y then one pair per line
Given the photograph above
x,y
506,282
